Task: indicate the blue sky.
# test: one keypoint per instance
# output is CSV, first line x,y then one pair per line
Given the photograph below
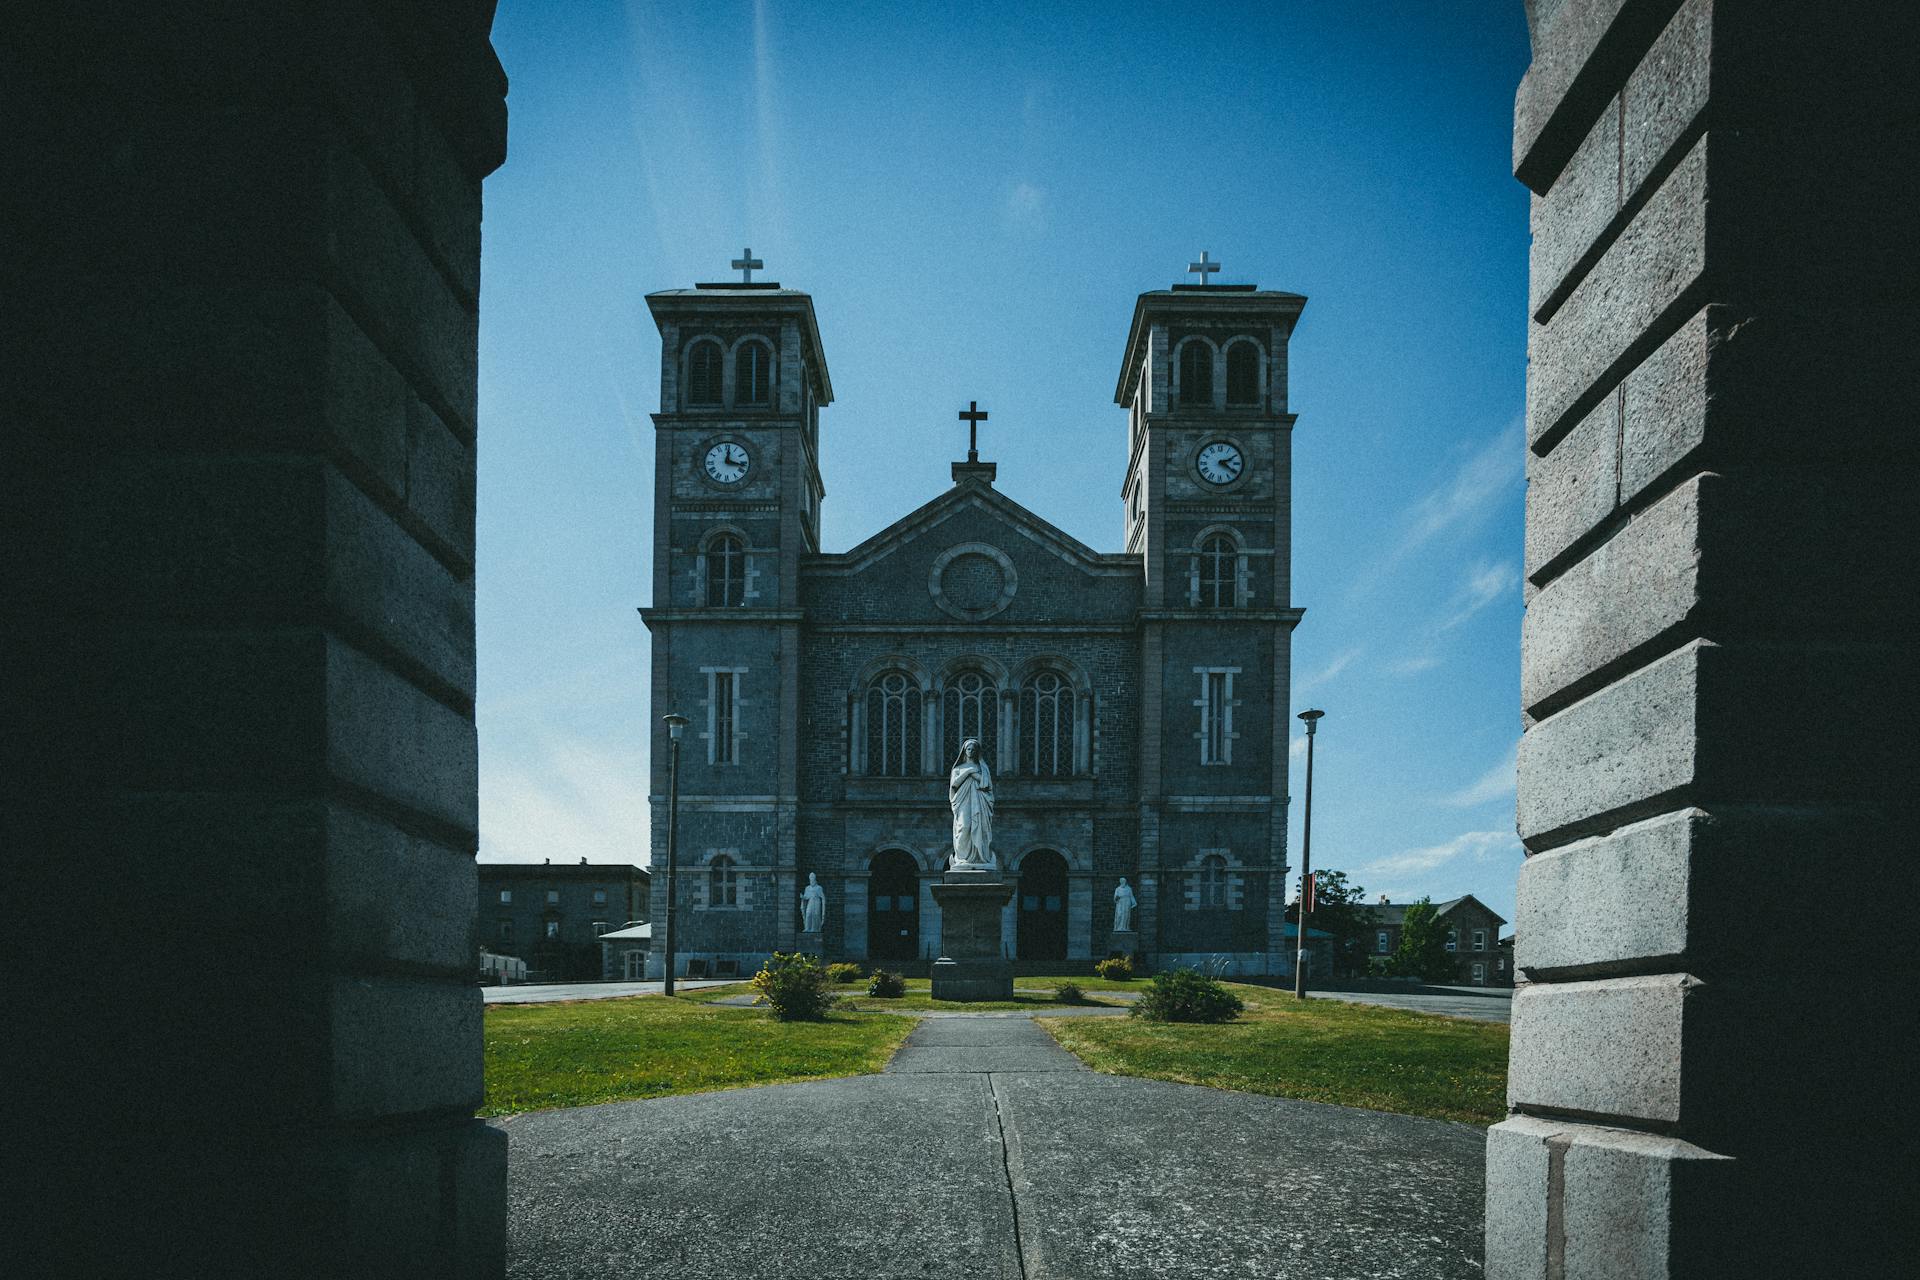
x,y
974,194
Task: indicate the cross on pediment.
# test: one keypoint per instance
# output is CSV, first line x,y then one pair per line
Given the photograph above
x,y
1203,267
746,264
973,415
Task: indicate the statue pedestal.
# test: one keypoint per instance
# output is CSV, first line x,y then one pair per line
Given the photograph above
x,y
971,964
1125,942
809,944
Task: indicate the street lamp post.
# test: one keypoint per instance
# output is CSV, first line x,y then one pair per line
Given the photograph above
x,y
676,725
1311,718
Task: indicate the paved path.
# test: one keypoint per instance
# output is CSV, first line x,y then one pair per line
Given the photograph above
x,y
1482,1003
544,992
986,1150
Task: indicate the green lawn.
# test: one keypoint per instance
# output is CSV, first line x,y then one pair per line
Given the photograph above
x,y
574,1055
1321,1050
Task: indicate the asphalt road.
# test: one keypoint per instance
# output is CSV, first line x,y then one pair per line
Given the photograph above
x,y
986,1150
1487,1004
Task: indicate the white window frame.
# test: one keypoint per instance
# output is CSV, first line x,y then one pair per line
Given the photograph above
x,y
553,930
1216,722
599,897
553,897
599,927
1453,940
1380,942
728,752
1479,939
1479,971
506,897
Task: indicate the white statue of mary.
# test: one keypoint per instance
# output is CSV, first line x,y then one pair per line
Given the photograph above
x,y
970,794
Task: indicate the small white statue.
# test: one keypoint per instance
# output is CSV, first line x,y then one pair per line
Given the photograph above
x,y
813,905
970,794
1123,904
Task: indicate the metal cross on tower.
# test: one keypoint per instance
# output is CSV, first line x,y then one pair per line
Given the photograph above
x,y
746,264
1204,267
973,415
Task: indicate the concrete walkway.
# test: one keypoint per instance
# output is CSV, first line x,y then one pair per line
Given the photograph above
x,y
548,992
986,1150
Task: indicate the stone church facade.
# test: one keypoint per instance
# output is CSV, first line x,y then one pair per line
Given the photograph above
x,y
1133,705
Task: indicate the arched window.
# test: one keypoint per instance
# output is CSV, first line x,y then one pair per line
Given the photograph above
x,y
703,373
1213,881
752,375
1196,374
723,883
1219,572
726,572
969,712
1046,726
1243,374
893,726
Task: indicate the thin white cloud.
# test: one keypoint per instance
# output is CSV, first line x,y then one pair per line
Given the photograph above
x,y
1486,582
1026,208
1477,483
1413,666
1480,845
1297,749
1340,662
566,799
1496,783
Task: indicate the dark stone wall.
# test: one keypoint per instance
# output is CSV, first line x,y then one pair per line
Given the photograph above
x,y
1717,665
238,319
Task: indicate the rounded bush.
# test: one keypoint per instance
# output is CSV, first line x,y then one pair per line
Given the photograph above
x,y
886,986
1115,968
842,972
1069,993
795,987
1186,996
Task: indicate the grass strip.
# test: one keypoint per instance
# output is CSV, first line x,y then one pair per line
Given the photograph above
x,y
540,1056
1354,1055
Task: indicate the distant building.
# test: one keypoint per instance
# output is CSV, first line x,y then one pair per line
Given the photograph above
x,y
552,915
623,951
1473,938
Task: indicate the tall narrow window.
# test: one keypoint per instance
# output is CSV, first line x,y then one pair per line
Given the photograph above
x,y
726,572
893,726
1453,939
969,711
1213,881
752,375
1243,374
1219,573
1380,942
1046,726
723,883
1196,374
725,709
703,373
1216,714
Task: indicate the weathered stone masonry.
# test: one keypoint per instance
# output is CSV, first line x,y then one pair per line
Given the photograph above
x,y
1717,668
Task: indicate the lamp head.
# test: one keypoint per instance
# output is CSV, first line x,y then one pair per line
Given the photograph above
x,y
1311,718
676,725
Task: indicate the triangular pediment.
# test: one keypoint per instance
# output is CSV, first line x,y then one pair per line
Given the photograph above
x,y
954,503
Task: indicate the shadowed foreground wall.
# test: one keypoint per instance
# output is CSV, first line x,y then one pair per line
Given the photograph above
x,y
1718,654
238,343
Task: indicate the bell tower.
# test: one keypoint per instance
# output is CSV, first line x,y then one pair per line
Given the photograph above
x,y
737,494
1208,502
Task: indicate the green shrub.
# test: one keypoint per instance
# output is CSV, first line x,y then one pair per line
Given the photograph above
x,y
795,986
1069,993
1115,968
886,986
843,972
1186,996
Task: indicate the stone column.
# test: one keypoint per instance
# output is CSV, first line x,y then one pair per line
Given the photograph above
x,y
238,344
1716,778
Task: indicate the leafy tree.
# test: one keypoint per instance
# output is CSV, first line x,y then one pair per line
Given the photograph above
x,y
1338,910
1423,945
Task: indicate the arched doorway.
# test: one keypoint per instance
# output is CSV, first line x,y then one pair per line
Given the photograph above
x,y
1043,906
893,907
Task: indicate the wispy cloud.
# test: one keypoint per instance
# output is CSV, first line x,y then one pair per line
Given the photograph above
x,y
1413,666
1496,783
1479,845
1486,582
565,799
1025,209
1340,662
1476,484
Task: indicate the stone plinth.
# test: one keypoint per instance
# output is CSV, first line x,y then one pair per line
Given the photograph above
x,y
971,964
1124,942
810,943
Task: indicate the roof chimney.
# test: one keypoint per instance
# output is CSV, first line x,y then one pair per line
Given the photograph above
x,y
583,862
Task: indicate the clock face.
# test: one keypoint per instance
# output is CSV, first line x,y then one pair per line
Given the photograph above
x,y
727,462
1220,463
